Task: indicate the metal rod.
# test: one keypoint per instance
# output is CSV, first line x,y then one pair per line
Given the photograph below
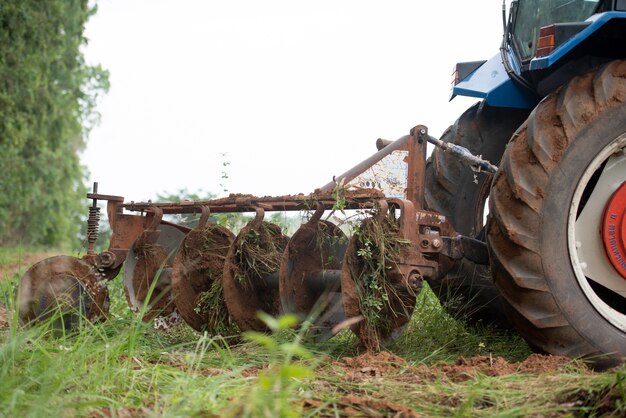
x,y
248,203
323,280
476,163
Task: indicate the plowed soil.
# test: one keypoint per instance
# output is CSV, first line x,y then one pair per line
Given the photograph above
x,y
391,369
385,364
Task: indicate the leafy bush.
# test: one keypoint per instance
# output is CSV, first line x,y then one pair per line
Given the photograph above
x,y
47,106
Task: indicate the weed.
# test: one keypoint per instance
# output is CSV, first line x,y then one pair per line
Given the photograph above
x,y
382,297
277,387
224,174
339,195
211,305
259,252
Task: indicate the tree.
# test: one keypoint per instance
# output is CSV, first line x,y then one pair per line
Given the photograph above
x,y
47,107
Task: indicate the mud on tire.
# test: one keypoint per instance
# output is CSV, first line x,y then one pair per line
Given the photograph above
x,y
452,189
535,202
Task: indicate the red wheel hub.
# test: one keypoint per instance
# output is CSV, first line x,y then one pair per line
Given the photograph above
x,y
614,230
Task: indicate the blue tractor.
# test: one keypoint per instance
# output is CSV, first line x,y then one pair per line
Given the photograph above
x,y
538,245
553,118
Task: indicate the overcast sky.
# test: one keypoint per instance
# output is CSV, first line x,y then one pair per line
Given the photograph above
x,y
289,93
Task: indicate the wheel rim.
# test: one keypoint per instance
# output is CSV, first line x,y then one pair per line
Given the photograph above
x,y
595,204
482,211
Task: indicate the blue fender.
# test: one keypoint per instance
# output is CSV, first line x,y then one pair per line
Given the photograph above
x,y
491,82
595,22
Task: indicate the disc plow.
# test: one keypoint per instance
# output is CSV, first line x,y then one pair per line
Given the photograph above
x,y
217,282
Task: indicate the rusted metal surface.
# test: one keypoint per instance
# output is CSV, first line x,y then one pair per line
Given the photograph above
x,y
65,286
255,253
384,171
417,167
197,270
397,169
374,288
353,199
465,247
93,221
417,258
148,268
171,269
311,260
412,262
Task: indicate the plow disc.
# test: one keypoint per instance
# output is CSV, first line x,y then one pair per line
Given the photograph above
x,y
150,259
197,286
64,286
250,273
373,287
309,280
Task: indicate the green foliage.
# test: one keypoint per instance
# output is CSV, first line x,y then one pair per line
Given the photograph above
x,y
433,335
210,305
378,248
288,221
258,252
339,195
276,390
124,367
47,106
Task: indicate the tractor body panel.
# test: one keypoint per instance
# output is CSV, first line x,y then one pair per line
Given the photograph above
x,y
519,76
491,82
596,24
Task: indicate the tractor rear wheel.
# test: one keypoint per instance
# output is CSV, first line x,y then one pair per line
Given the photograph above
x,y
454,190
557,227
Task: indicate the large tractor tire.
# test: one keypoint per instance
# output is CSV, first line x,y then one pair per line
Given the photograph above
x,y
557,227
454,190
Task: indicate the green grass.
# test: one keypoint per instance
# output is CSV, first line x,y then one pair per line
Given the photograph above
x,y
124,366
12,256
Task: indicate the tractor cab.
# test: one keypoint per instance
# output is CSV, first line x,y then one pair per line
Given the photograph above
x,y
533,24
546,43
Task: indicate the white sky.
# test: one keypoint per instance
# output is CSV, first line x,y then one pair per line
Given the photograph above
x,y
293,92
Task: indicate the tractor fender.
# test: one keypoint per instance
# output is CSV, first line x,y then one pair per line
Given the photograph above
x,y
491,82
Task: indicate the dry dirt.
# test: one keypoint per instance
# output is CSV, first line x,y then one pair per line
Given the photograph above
x,y
9,269
4,322
385,364
390,367
393,368
357,406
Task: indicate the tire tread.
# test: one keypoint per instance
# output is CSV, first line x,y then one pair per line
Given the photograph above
x,y
513,228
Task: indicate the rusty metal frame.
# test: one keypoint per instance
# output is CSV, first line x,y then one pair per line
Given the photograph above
x,y
433,238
